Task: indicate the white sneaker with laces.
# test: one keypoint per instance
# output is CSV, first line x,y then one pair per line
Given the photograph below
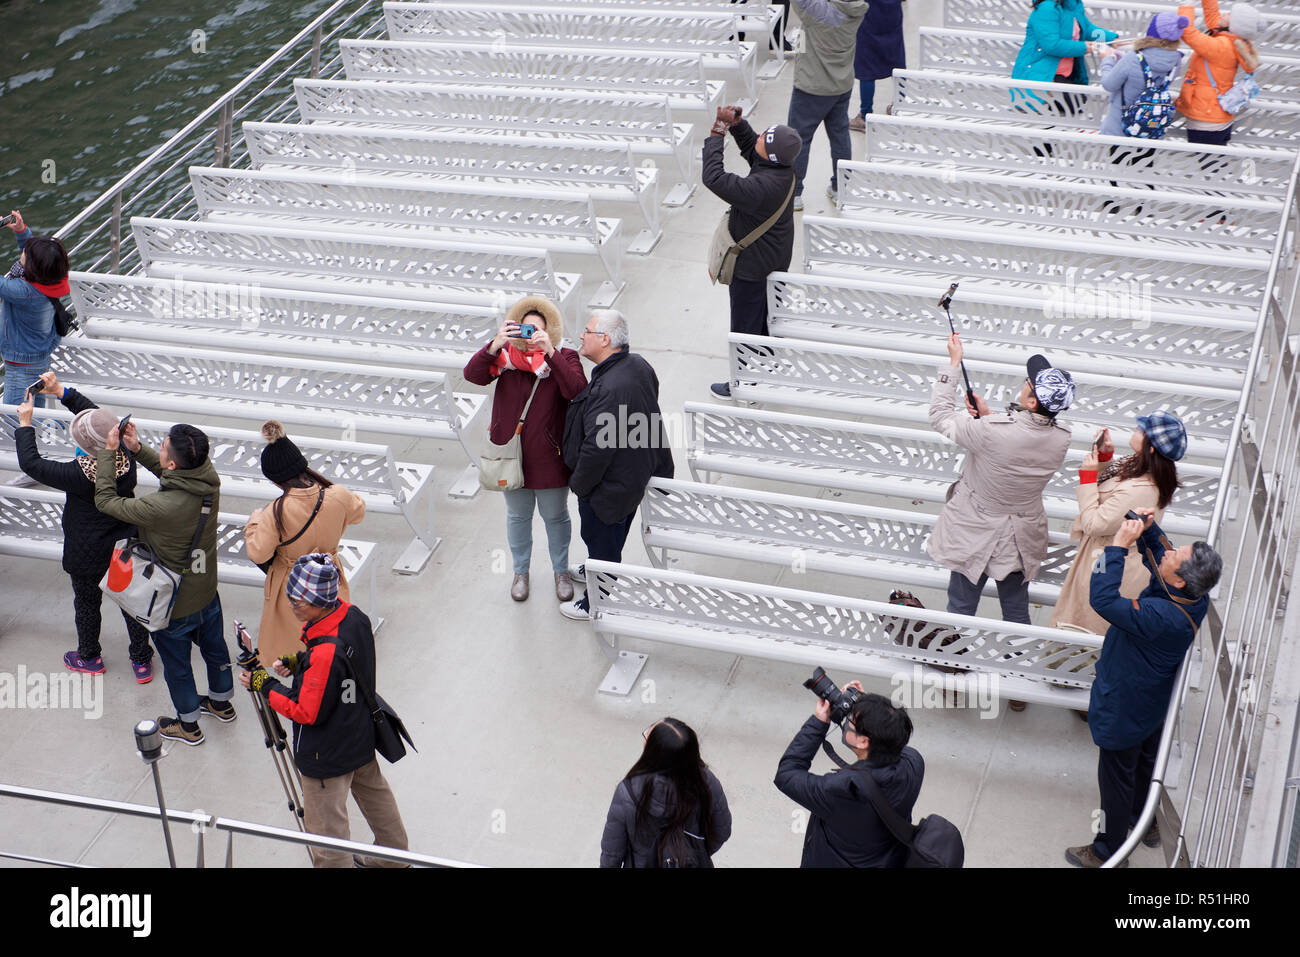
x,y
578,573
571,609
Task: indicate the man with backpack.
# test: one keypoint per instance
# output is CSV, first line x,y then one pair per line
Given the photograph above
x,y
179,522
845,830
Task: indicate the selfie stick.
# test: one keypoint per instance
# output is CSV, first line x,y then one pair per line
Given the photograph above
x,y
945,302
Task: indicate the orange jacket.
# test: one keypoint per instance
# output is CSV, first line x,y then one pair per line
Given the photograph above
x,y
1222,53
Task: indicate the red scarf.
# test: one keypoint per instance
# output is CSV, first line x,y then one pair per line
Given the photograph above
x,y
533,360
58,290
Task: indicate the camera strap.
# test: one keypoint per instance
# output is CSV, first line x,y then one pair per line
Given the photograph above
x,y
833,754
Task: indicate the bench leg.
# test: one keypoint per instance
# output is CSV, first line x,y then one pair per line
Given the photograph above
x,y
416,555
624,669
466,486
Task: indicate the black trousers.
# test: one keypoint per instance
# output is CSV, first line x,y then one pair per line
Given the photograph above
x,y
1013,594
749,306
1123,777
86,600
604,541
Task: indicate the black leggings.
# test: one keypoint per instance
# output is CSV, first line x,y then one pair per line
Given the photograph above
x,y
86,600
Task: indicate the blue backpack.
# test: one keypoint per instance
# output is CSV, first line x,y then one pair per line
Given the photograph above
x,y
1150,114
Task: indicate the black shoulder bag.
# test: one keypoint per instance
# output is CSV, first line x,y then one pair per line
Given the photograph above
x,y
389,729
266,565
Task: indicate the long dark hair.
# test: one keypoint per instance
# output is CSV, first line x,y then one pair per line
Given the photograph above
x,y
672,752
306,480
1163,471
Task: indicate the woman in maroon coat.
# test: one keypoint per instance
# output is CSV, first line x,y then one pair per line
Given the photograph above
x,y
515,364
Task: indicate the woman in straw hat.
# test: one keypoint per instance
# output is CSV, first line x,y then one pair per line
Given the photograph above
x,y
515,365
88,534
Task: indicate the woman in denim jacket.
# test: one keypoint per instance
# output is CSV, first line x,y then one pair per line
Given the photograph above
x,y
27,333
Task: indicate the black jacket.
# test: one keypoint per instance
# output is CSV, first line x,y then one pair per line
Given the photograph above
x,y
333,732
753,198
844,830
614,438
88,534
623,846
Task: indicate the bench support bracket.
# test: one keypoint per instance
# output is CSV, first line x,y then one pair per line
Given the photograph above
x,y
467,485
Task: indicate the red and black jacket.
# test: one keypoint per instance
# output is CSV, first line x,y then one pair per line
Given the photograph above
x,y
333,732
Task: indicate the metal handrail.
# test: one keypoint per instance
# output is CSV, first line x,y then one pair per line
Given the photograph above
x,y
201,822
1217,523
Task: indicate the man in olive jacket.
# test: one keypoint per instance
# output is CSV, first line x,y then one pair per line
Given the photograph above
x,y
614,441
167,520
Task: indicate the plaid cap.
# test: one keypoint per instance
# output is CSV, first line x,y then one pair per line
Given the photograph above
x,y
314,579
1166,432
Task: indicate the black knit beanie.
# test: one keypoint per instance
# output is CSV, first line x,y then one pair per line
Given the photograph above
x,y
281,460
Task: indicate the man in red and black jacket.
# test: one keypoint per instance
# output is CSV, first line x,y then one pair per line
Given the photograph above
x,y
333,733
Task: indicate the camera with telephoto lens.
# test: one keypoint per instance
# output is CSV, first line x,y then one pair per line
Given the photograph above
x,y
841,702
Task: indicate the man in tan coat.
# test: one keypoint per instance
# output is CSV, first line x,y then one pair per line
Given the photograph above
x,y
994,525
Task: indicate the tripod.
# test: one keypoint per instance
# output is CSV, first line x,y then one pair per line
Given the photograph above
x,y
273,735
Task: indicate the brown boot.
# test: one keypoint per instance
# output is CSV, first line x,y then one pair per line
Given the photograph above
x,y
519,587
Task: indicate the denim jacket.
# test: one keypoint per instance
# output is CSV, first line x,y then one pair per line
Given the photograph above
x,y
27,332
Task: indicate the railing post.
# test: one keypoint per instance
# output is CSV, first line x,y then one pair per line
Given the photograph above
x,y
225,120
115,235
315,53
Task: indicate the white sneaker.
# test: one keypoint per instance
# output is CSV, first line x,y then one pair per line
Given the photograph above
x,y
578,573
571,609
798,204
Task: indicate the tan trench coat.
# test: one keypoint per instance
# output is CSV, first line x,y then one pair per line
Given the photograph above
x,y
994,520
279,633
1101,512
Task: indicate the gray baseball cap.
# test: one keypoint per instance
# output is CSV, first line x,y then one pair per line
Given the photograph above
x,y
782,144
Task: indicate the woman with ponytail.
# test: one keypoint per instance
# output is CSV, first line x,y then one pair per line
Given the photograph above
x,y
310,516
669,810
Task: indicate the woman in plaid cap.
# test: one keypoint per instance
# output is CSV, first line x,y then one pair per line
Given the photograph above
x,y
1107,489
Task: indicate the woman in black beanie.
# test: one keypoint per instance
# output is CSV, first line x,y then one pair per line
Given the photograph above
x,y
310,516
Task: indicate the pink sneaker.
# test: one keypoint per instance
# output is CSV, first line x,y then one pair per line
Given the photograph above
x,y
88,666
143,671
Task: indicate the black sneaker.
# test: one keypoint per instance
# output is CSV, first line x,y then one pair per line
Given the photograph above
x,y
721,389
175,729
223,711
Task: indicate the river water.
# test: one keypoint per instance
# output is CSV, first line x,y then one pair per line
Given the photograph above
x,y
88,89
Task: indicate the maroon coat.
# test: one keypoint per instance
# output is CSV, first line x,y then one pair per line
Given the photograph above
x,y
544,428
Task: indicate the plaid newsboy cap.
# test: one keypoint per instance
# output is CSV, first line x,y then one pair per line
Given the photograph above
x,y
314,579
1166,432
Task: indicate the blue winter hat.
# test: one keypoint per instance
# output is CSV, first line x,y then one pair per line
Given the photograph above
x,y
1166,432
1168,26
314,579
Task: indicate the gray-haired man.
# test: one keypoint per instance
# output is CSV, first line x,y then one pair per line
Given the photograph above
x,y
614,441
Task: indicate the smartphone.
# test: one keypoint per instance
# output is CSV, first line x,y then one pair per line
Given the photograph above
x,y
526,330
8,220
1133,516
34,389
121,426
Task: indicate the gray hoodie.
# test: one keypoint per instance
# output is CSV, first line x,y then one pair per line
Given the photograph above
x,y
830,32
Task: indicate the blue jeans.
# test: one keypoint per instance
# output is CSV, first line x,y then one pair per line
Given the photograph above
x,y
807,112
866,93
203,628
19,377
553,503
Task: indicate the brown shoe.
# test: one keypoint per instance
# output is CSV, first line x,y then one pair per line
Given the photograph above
x,y
1084,856
1016,705
563,586
519,587
1152,837
858,124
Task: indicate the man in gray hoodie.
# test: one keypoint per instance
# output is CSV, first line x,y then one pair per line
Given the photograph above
x,y
823,81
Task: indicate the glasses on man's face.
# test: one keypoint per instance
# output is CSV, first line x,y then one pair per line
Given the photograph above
x,y
592,332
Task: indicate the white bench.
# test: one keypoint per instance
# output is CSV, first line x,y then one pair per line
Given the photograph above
x,y
375,204
339,328
948,143
1154,218
1128,19
30,528
319,259
1084,329
643,122
882,545
348,398
713,34
679,76
605,171
895,386
979,65
840,634
387,486
913,465
1028,258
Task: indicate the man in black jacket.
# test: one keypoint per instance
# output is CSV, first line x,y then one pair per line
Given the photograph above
x,y
614,441
333,733
753,198
844,830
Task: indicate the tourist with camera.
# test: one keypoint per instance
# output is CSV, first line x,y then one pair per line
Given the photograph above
x,y
187,502
28,293
1145,645
88,534
669,810
333,731
534,379
844,829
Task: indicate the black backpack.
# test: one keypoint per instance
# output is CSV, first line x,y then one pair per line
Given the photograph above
x,y
64,322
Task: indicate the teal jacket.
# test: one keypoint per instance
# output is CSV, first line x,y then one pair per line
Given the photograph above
x,y
1049,37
